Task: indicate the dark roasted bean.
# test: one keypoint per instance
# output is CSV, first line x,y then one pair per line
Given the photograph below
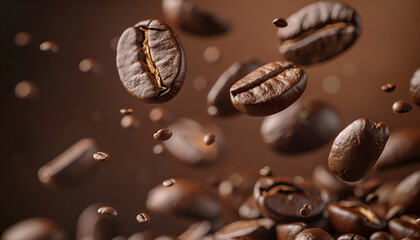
x,y
404,226
162,134
380,235
389,87
262,228
350,236
107,210
401,106
407,193
289,231
314,234
143,218
280,22
92,225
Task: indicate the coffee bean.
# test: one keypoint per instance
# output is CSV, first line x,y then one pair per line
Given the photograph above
x,y
209,139
380,235
189,18
143,218
218,97
160,115
107,210
401,106
92,225
151,61
101,156
354,217
388,87
23,38
394,211
185,198
196,231
187,144
306,210
404,226
324,180
280,22
269,89
314,234
289,231
411,238
415,87
26,90
318,32
262,228
350,236
249,209
158,149
168,182
130,122
211,54
371,198
71,167
407,193
166,238
34,229
49,46
162,134
281,199
403,146
126,111
90,65
304,126
265,171
357,148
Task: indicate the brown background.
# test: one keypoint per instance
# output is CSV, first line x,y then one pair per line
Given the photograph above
x,y
73,105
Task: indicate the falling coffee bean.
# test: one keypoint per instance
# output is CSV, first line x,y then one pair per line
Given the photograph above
x,y
401,106
265,171
389,87
162,134
49,46
168,182
23,38
129,122
280,22
306,210
357,148
143,218
209,139
415,88
126,111
92,225
151,61
107,210
319,32
101,156
34,229
268,89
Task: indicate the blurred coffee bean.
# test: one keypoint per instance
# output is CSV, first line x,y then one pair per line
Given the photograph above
x,y
130,122
415,87
304,126
90,65
26,90
158,149
211,54
403,146
371,198
357,148
196,231
318,32
143,218
411,238
324,180
71,167
187,144
92,225
188,17
354,217
407,193
281,199
306,210
262,228
160,115
249,209
126,111
23,38
363,188
108,210
185,198
268,89
384,191
119,238
350,236
380,235
265,171
151,61
166,237
394,211
218,96
280,22
145,235
34,229
314,234
401,106
101,156
209,139
162,134
289,231
404,226
49,46
388,87
168,182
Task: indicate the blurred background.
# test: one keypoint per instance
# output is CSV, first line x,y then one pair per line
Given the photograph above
x,y
72,104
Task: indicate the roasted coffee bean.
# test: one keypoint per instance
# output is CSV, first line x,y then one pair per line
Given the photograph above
x,y
407,193
265,171
380,235
189,18
357,148
168,182
187,144
162,134
415,87
126,111
49,46
143,218
389,87
71,167
314,234
26,90
151,61
196,231
34,229
394,211
411,238
268,89
404,226
354,217
401,106
304,126
318,32
23,38
130,122
289,231
218,97
185,198
336,188
92,225
306,210
350,236
403,146
108,210
209,139
280,22
101,156
281,199
145,235
249,209
262,228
